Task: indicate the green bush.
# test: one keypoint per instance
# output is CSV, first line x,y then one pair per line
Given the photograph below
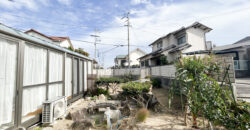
x,y
106,81
135,88
102,91
128,77
156,82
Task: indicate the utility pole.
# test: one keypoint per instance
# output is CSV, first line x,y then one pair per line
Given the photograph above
x,y
96,40
128,26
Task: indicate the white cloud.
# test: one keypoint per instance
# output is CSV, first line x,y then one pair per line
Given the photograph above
x,y
229,20
17,4
136,2
65,2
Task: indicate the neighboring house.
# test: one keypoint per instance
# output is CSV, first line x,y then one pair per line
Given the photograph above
x,y
122,60
241,53
61,41
183,40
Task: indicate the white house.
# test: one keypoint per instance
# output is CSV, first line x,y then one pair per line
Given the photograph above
x,y
183,40
122,60
61,41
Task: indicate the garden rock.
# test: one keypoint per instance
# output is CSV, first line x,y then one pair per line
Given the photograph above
x,y
78,114
114,115
102,97
84,124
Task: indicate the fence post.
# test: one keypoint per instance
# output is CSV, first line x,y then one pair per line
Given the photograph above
x,y
20,65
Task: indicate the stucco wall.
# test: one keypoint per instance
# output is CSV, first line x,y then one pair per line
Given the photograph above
x,y
195,37
65,43
134,56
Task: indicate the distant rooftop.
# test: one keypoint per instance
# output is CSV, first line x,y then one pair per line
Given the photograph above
x,y
241,43
243,40
121,56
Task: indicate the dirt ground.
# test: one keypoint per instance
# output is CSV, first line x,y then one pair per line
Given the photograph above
x,y
166,120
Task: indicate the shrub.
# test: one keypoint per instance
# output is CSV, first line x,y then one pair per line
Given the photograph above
x,y
208,98
106,81
135,88
128,78
142,114
102,91
156,82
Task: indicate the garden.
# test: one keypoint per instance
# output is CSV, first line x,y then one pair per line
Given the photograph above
x,y
195,99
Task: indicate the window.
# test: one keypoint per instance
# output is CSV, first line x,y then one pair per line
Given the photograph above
x,y
142,63
181,40
159,45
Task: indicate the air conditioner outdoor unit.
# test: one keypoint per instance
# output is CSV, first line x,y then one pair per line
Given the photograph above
x,y
53,109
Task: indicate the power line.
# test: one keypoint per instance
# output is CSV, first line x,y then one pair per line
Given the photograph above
x,y
89,42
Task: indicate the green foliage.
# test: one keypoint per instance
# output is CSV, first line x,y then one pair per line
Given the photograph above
x,y
156,82
81,51
142,114
207,97
136,88
163,60
38,128
106,81
128,78
102,91
71,48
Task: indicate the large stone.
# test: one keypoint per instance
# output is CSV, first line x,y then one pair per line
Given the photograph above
x,y
78,114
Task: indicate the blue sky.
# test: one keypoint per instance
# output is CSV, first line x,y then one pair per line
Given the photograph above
x,y
150,19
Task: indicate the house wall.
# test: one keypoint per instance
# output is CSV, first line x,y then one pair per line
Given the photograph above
x,y
65,44
196,38
134,57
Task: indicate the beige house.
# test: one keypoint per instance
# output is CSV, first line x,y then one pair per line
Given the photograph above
x,y
61,41
183,40
122,60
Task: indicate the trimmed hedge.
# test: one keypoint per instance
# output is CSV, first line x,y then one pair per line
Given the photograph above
x,y
106,81
135,88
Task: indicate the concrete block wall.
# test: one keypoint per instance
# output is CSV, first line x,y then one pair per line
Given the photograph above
x,y
225,60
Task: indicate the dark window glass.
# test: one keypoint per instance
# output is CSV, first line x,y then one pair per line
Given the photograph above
x,y
181,40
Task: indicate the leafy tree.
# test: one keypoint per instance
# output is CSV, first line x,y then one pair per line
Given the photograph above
x,y
206,97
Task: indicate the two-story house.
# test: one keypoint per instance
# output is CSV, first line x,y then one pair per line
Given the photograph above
x,y
122,60
183,40
60,41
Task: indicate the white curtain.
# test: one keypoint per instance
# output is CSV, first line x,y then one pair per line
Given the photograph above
x,y
8,61
33,99
75,76
85,76
55,66
35,64
80,76
35,67
68,76
55,90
